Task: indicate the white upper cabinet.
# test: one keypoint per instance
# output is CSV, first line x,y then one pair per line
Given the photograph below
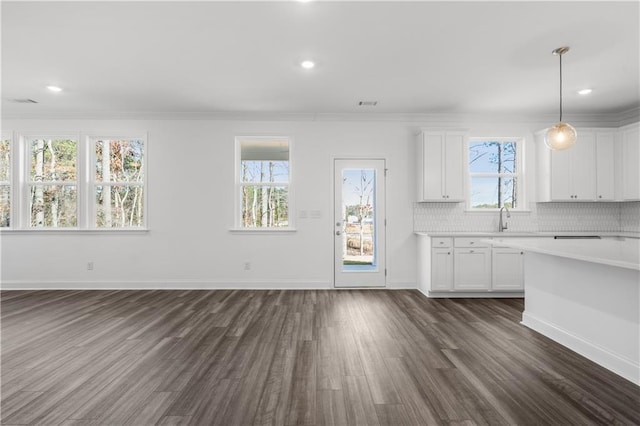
x,y
605,162
630,162
584,172
440,166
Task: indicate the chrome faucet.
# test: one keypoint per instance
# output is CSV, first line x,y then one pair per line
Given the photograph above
x,y
502,225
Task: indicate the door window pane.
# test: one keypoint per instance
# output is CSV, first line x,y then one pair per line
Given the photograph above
x,y
358,201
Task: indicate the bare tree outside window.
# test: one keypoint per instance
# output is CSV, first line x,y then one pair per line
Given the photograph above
x,y
119,183
358,199
53,183
264,182
494,174
5,183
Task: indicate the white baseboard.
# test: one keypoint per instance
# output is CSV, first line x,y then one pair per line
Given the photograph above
x,y
471,294
184,285
167,285
609,360
401,285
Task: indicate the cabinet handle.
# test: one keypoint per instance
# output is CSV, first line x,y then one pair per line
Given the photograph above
x,y
471,242
470,251
521,252
599,196
448,252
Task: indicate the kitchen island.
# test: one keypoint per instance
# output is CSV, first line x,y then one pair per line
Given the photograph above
x,y
585,294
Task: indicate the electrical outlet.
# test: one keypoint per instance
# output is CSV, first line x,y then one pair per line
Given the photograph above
x,y
247,265
89,266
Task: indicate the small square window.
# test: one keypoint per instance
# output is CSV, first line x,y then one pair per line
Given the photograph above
x,y
495,173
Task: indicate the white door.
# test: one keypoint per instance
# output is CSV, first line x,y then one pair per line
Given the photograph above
x,y
359,223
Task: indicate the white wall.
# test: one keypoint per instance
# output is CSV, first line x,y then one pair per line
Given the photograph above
x,y
190,211
190,208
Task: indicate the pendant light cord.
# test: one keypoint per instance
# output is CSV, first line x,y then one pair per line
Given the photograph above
x,y
560,87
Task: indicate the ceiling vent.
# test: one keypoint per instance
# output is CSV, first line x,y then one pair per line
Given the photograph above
x,y
368,103
23,101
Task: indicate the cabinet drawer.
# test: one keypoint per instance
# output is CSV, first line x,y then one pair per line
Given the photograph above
x,y
442,242
470,242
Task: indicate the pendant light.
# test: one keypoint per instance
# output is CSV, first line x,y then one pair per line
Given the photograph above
x,y
561,135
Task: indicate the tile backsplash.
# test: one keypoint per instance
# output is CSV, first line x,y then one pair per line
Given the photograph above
x,y
603,217
630,217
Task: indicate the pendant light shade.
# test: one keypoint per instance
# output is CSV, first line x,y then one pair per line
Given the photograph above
x,y
561,135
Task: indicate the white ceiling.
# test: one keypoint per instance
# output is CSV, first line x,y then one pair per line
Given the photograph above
x,y
243,57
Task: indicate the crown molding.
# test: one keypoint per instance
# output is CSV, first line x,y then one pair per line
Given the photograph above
x,y
594,120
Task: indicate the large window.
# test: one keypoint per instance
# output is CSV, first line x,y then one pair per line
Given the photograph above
x,y
52,184
72,182
495,173
263,182
118,188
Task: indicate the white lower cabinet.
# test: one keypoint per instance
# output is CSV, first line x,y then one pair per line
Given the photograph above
x,y
472,269
442,269
467,265
507,269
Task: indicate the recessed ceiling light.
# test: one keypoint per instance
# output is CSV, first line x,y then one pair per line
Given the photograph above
x,y
55,88
307,64
585,91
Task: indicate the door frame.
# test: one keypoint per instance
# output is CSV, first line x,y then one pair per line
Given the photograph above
x,y
381,222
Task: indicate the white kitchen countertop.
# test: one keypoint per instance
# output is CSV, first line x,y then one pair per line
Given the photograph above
x,y
527,234
620,253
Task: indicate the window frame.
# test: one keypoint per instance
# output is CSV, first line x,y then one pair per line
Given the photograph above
x,y
238,184
20,212
5,135
92,183
25,183
520,176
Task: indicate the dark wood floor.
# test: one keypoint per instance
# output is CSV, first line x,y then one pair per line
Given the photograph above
x,y
291,357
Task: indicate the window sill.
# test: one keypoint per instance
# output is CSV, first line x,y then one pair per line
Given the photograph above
x,y
75,231
257,231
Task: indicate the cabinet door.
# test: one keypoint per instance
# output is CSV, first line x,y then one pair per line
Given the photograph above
x,y
561,187
441,269
572,170
508,269
472,269
432,166
454,167
631,164
583,164
605,169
